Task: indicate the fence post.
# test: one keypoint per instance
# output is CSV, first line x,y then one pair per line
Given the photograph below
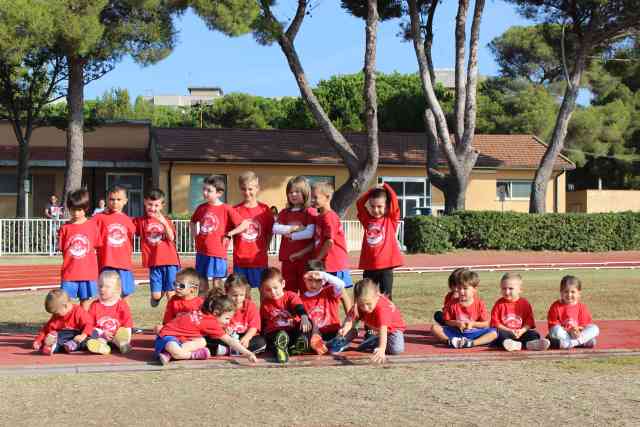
x,y
1,235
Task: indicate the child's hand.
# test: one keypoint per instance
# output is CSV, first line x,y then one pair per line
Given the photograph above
x,y
517,333
305,324
344,330
575,332
80,338
379,355
252,357
244,341
36,345
108,335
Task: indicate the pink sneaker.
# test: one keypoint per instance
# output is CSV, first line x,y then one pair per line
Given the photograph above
x,y
201,354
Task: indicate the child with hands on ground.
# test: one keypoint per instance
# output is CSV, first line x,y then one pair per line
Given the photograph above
x,y
68,327
111,317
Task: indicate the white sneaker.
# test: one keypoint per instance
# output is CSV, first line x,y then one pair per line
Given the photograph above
x,y
541,344
512,345
458,342
222,350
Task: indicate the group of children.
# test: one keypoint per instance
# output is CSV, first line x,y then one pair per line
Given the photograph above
x,y
209,312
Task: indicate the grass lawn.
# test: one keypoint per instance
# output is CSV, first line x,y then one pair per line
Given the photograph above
x,y
610,294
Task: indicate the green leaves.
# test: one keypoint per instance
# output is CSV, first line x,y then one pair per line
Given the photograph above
x,y
230,17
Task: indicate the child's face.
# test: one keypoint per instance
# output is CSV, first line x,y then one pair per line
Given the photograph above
x,y
295,196
570,295
238,294
511,289
313,280
53,200
77,214
108,290
367,303
378,207
273,289
249,190
63,309
319,199
117,201
186,289
210,193
466,293
225,318
153,207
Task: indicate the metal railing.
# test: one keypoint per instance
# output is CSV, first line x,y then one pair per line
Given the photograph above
x,y
39,237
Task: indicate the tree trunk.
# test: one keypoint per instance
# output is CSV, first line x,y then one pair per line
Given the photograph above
x,y
75,129
23,174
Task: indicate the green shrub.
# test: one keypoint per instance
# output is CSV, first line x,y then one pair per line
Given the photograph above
x,y
430,234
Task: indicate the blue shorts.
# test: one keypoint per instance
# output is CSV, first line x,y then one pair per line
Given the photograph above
x,y
211,267
162,278
471,334
161,343
126,278
345,276
253,275
81,289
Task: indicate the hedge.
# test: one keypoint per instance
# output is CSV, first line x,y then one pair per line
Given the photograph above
x,y
573,232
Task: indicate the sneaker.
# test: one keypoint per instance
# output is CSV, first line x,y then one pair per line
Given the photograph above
x,y
460,342
512,345
98,346
538,345
137,331
122,340
154,302
301,346
70,346
317,344
222,350
337,345
50,344
164,358
282,344
201,354
260,349
235,336
590,344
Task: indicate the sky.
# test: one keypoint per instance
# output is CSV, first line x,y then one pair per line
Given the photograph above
x,y
330,42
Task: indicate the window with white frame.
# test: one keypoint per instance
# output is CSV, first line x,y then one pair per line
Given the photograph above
x,y
321,178
413,192
8,183
195,190
513,189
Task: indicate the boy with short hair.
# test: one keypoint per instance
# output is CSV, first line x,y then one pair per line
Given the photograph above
x,y
157,241
210,225
116,238
251,246
466,320
68,327
330,245
77,240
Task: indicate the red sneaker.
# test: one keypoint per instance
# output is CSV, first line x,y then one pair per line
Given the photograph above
x,y
201,354
50,344
317,344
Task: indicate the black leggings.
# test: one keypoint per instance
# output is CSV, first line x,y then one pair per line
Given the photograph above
x,y
384,279
530,335
256,344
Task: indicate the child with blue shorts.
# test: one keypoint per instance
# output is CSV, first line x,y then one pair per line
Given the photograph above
x,y
157,241
466,320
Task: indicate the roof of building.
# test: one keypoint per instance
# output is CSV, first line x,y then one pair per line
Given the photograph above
x,y
311,146
90,154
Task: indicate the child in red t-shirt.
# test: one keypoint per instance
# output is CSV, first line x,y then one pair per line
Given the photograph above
x,y
296,225
379,214
111,317
68,327
380,316
213,225
157,241
245,323
570,322
116,239
512,316
184,337
186,298
467,320
321,300
251,246
451,296
284,318
77,240
330,245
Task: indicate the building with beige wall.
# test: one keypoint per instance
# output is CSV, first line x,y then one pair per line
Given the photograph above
x,y
593,201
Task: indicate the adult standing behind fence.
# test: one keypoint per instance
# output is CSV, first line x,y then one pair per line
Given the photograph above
x,y
53,210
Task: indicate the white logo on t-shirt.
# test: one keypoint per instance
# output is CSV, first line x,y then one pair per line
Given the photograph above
x,y
252,232
155,232
116,234
375,234
209,223
79,246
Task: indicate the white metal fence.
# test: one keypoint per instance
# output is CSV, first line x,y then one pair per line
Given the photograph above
x,y
39,237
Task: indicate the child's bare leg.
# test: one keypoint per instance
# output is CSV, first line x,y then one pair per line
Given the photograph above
x,y
485,339
177,351
438,331
193,345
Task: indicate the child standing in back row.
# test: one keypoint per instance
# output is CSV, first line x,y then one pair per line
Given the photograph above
x,y
250,247
213,225
379,214
570,323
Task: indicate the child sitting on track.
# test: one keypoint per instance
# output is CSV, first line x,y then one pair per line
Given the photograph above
x,y
68,327
570,323
451,297
467,320
186,298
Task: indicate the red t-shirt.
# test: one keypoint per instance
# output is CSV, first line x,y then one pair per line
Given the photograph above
x,y
568,316
194,324
476,312
245,318
111,317
302,217
116,240
449,299
328,226
279,314
156,249
178,305
380,248
323,309
512,314
78,244
214,223
76,318
250,247
385,314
